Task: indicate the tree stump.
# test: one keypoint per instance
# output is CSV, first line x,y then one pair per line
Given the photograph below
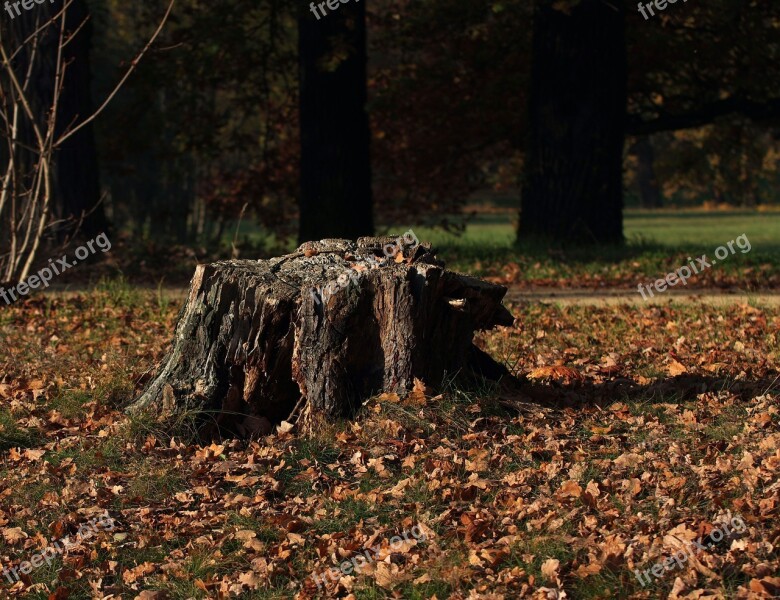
x,y
320,329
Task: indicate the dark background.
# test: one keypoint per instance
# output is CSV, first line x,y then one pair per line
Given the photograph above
x,y
386,112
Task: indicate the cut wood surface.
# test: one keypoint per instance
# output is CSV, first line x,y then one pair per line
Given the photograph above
x,y
320,330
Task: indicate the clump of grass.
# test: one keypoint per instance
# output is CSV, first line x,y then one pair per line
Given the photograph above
x,y
70,403
117,390
183,425
314,450
116,292
342,516
156,483
530,554
105,453
13,436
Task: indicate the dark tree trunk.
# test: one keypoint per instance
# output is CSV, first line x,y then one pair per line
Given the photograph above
x,y
78,182
76,179
335,163
322,329
649,192
573,182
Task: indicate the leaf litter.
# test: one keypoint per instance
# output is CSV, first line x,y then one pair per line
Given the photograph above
x,y
631,432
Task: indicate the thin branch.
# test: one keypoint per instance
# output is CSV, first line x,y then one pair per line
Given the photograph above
x,y
705,114
48,23
119,85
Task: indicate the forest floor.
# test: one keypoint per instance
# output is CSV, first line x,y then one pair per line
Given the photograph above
x,y
638,429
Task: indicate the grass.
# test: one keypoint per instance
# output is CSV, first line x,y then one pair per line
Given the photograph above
x,y
14,436
669,229
657,242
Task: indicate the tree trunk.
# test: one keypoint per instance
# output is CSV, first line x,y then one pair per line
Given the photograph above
x,y
335,161
77,163
322,328
573,183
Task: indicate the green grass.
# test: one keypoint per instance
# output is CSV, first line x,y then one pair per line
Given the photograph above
x,y
671,229
656,242
532,553
12,436
677,229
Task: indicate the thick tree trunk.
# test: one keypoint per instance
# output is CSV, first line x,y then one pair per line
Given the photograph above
x,y
573,184
335,162
77,163
324,327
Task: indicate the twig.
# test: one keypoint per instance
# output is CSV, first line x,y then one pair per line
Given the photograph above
x,y
119,85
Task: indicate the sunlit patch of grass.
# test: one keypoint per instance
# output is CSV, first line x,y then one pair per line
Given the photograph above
x,y
263,531
423,591
182,425
728,424
32,492
116,292
418,493
90,455
344,515
310,450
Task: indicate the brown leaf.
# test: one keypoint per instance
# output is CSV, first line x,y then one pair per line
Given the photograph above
x,y
556,372
153,595
136,573
13,535
550,568
768,587
569,489
676,368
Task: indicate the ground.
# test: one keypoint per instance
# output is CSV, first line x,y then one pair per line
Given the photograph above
x,y
638,429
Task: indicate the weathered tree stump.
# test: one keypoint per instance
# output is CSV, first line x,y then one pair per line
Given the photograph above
x,y
322,328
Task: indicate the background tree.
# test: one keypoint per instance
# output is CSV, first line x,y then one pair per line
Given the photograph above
x,y
78,175
208,129
573,181
335,196
646,180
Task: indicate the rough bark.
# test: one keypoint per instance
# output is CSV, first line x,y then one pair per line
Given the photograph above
x,y
323,329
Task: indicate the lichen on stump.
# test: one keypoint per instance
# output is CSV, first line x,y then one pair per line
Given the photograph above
x,y
320,330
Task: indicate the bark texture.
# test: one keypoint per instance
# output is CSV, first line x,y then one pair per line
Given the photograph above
x,y
323,329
